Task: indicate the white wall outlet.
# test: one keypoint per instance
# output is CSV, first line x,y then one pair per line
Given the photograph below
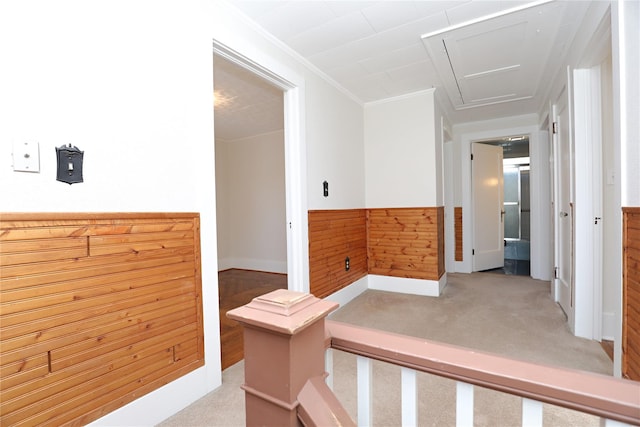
x,y
26,157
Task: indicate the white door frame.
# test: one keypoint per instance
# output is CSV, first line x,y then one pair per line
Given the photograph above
x,y
539,193
295,162
563,200
587,108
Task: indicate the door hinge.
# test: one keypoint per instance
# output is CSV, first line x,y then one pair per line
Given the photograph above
x,y
555,272
555,127
473,251
471,156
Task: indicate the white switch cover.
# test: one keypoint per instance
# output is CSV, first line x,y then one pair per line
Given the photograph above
x,y
611,177
26,157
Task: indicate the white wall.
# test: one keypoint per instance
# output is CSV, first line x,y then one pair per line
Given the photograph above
x,y
449,205
611,214
403,168
440,126
628,65
223,211
250,177
491,125
401,153
335,149
130,83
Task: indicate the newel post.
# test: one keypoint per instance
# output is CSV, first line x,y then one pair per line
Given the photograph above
x,y
284,345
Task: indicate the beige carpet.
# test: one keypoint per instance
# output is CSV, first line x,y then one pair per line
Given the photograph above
x,y
508,315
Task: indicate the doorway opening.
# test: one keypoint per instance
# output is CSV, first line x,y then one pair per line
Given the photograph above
x,y
289,191
250,194
516,204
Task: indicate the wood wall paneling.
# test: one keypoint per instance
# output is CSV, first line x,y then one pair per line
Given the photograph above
x,y
237,288
631,294
400,242
95,311
406,242
333,236
457,214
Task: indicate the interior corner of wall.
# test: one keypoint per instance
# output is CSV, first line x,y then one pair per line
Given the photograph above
x,y
609,326
350,292
442,283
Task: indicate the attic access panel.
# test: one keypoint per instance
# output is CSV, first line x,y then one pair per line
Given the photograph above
x,y
497,60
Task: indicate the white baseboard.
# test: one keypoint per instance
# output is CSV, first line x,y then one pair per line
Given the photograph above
x,y
160,404
224,264
402,285
609,330
345,295
442,283
269,266
430,288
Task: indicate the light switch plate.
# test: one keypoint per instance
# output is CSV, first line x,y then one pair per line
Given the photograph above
x,y
26,157
611,177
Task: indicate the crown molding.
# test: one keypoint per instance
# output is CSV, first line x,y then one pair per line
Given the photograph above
x,y
292,53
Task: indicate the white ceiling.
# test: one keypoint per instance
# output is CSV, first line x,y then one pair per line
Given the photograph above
x,y
245,104
489,58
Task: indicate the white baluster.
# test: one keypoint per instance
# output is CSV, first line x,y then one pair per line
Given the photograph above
x,y
531,413
409,398
464,404
328,366
365,374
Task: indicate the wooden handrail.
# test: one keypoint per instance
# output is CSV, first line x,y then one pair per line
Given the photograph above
x,y
600,395
318,406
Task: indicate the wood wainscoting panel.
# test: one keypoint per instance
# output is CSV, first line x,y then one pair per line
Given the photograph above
x,y
631,293
457,215
406,242
96,310
335,235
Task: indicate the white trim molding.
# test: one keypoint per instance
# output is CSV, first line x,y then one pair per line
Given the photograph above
x,y
588,202
346,294
430,288
295,160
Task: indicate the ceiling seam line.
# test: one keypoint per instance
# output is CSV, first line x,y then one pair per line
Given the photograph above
x,y
453,71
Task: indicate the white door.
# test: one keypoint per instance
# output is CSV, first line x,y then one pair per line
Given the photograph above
x,y
563,207
488,207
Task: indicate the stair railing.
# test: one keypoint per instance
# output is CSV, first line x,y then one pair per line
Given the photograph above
x,y
288,342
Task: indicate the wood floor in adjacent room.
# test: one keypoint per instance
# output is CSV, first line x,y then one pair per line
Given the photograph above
x,y
237,288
